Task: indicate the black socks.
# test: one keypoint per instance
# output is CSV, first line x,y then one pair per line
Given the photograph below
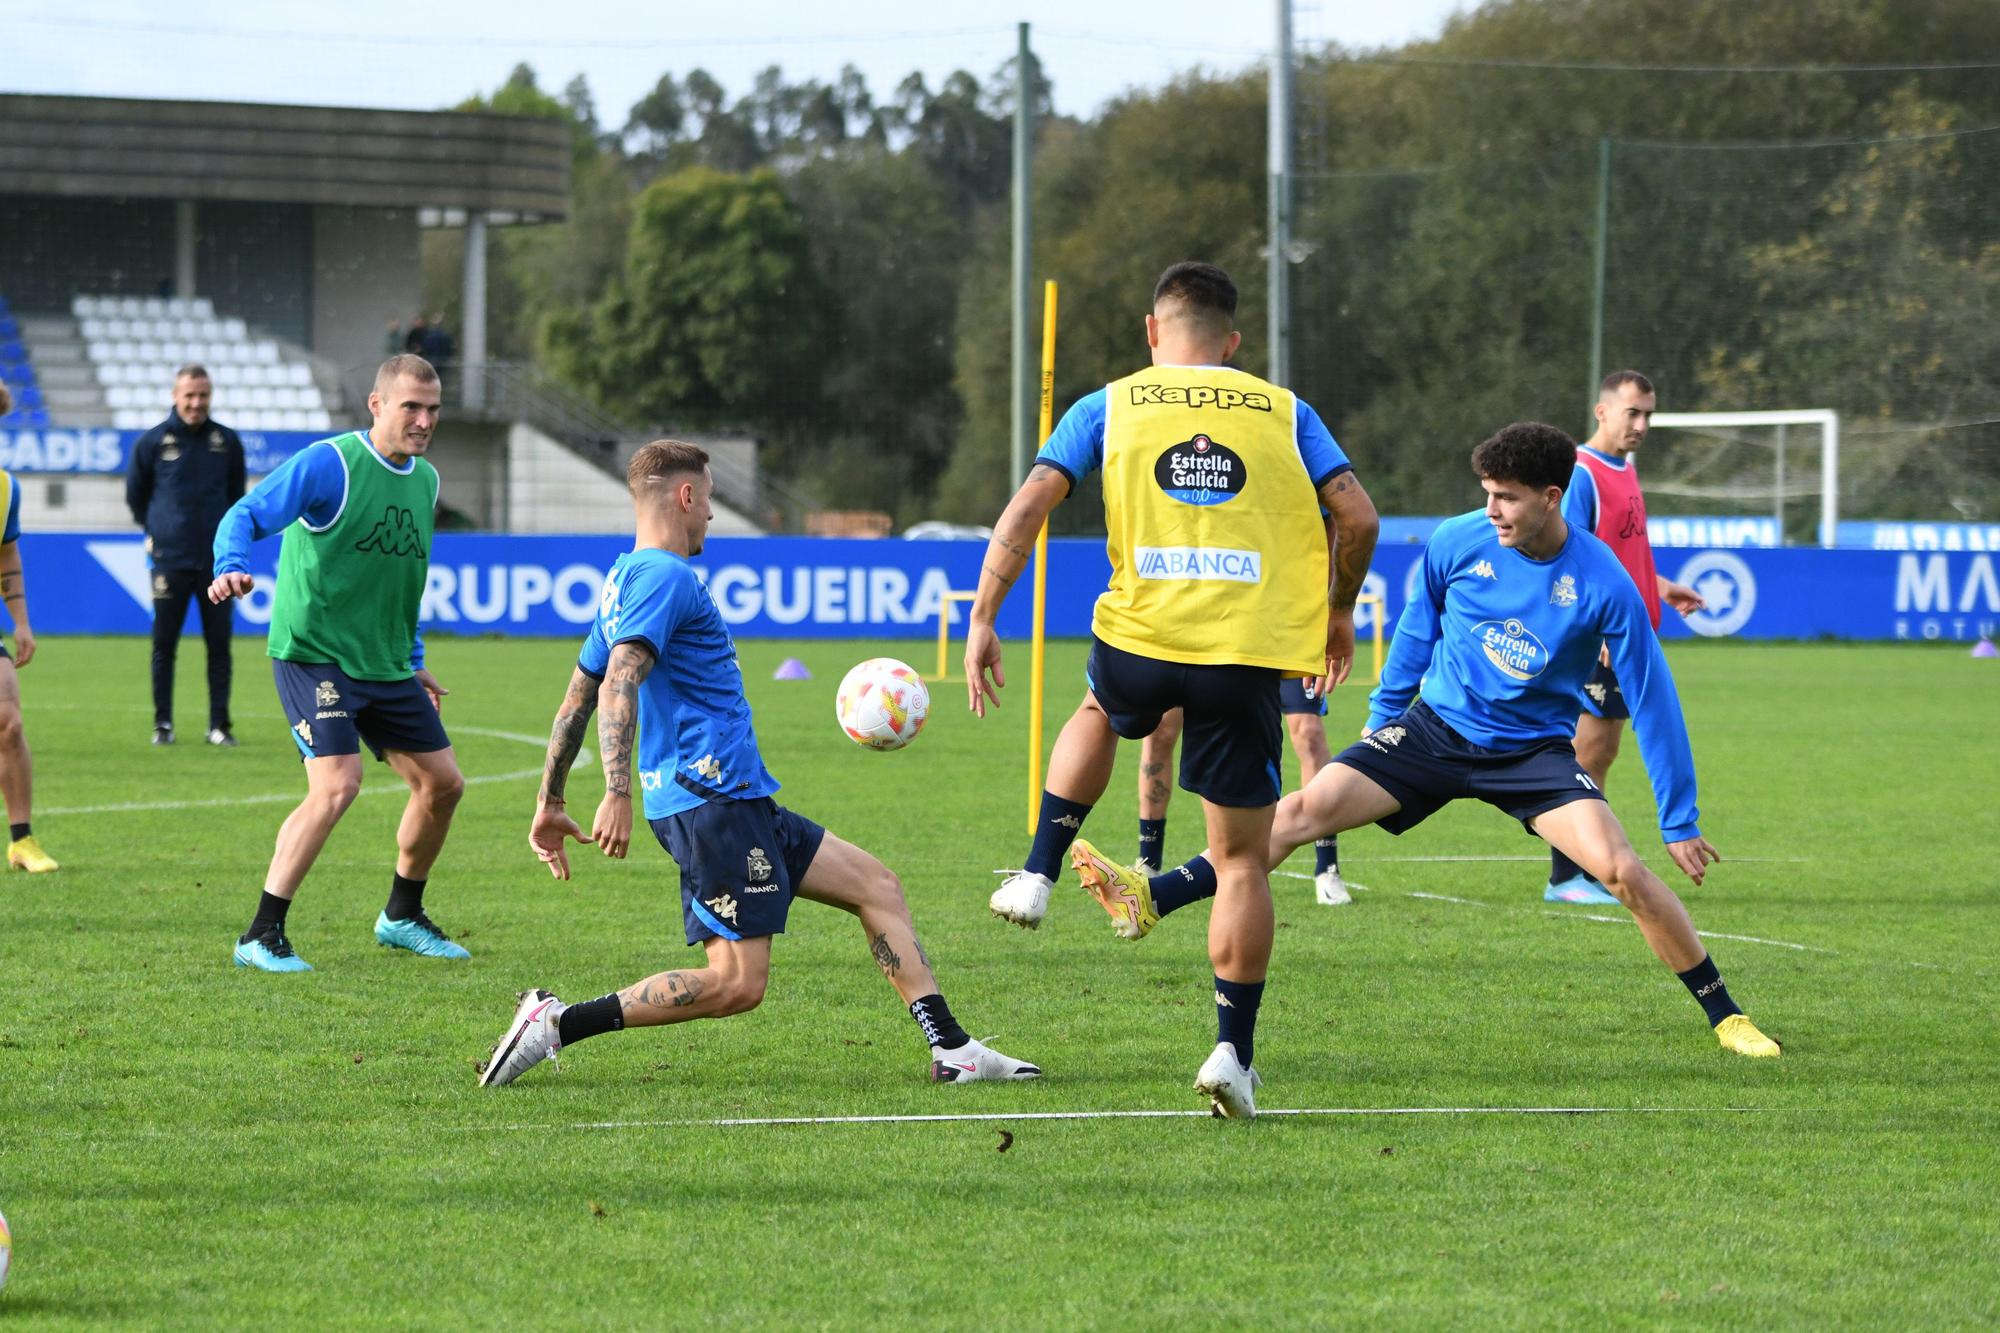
x,y
270,916
1236,1015
1055,829
590,1018
940,1029
1705,984
406,898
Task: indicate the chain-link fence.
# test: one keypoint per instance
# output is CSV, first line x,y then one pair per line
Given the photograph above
x,y
1860,276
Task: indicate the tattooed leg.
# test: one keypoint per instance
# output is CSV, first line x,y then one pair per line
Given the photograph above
x,y
732,983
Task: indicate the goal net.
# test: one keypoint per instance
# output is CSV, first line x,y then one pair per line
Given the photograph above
x,y
1767,478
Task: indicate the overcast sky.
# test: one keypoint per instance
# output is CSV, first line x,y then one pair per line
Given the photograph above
x,y
432,53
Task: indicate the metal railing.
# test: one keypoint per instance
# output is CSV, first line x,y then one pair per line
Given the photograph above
x,y
518,391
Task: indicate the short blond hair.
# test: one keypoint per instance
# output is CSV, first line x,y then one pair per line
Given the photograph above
x,y
663,460
404,364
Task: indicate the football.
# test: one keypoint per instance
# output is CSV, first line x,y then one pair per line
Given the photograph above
x,y
6,1250
882,704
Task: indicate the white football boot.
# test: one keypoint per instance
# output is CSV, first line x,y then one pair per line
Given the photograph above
x,y
975,1062
531,1038
1329,890
1230,1088
1023,898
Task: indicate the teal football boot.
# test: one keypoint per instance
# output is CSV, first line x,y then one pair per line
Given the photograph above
x,y
269,952
1578,888
419,935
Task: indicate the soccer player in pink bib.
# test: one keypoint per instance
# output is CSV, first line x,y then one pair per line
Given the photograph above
x,y
1604,500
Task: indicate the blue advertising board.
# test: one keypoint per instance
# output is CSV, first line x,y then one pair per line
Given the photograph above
x,y
88,449
825,587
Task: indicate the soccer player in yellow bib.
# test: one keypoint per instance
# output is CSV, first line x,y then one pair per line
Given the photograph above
x,y
17,775
1238,538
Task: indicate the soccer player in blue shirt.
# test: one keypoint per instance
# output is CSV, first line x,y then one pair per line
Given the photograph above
x,y
659,654
1503,629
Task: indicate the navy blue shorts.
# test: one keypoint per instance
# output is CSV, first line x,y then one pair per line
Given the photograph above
x,y
741,864
1294,698
332,713
1601,695
1232,737
1425,765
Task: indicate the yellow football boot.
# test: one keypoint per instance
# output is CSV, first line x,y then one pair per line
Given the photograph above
x,y
1119,890
1737,1033
27,854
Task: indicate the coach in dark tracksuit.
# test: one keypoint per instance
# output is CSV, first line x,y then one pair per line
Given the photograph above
x,y
184,475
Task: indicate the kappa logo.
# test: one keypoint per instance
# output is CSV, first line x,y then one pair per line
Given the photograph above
x,y
1223,1001
1564,593
1484,570
1198,395
395,534
760,865
724,907
1068,821
707,767
305,731
1596,692
326,696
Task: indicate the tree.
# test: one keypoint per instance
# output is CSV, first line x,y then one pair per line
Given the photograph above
x,y
714,317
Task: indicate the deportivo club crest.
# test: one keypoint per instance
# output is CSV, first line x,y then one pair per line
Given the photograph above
x,y
326,695
760,866
724,907
1564,593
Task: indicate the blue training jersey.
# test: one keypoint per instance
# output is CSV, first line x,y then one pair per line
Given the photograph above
x,y
1076,446
1502,643
695,739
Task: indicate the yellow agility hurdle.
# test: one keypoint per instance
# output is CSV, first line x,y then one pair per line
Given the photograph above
x,y
945,604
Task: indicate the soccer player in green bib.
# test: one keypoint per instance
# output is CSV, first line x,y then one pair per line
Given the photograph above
x,y
356,514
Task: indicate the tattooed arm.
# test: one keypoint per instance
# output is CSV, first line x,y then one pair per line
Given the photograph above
x,y
1006,556
1351,528
617,726
552,823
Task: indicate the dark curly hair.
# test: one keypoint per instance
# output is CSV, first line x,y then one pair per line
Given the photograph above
x,y
1530,452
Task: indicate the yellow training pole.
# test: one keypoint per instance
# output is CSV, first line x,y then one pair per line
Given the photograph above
x,y
1036,653
1381,608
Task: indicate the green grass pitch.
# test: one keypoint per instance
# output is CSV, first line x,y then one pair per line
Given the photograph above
x,y
183,1143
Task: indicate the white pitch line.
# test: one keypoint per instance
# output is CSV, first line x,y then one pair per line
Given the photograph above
x,y
1705,934
1446,898
265,798
282,798
1452,860
1011,1117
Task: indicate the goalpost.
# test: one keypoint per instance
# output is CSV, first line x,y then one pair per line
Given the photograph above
x,y
1720,423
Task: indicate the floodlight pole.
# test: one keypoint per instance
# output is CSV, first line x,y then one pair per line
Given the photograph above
x,y
1279,210
1020,422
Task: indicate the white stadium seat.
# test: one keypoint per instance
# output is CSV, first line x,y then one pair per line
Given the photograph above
x,y
234,330
202,308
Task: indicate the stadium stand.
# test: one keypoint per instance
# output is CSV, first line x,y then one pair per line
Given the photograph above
x,y
134,345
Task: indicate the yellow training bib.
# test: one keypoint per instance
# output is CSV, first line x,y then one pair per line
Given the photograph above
x,y
1218,550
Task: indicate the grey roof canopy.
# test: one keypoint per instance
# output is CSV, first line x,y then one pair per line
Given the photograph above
x,y
133,148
